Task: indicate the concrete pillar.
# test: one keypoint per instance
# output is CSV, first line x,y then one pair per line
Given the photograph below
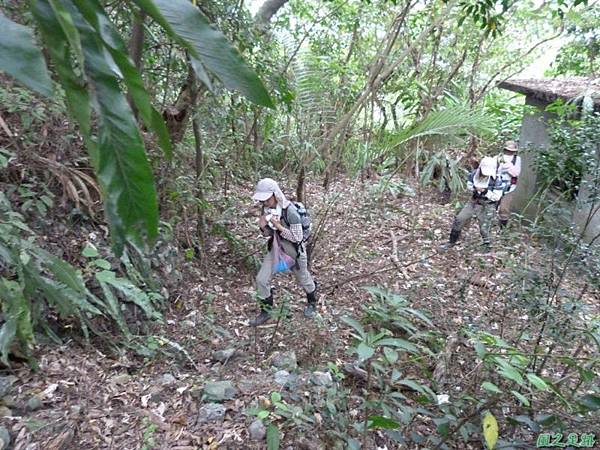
x,y
534,134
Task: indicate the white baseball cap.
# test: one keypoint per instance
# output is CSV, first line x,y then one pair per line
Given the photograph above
x,y
488,166
265,189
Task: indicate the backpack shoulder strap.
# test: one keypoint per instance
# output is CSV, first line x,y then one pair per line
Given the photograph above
x,y
514,159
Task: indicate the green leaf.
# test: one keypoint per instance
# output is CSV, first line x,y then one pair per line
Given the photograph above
x,y
103,264
130,292
275,397
356,325
273,437
186,23
56,43
491,387
68,27
123,170
537,382
20,58
364,351
443,426
480,350
117,153
390,355
111,39
112,305
509,372
380,422
90,251
262,414
490,430
419,315
397,342
418,387
590,402
524,401
66,274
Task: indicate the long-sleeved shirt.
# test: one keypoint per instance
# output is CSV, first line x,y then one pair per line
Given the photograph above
x,y
294,233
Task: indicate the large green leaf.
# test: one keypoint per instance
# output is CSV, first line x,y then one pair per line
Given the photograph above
x,y
364,351
537,382
130,292
95,16
122,168
524,401
20,57
273,437
114,308
508,371
356,325
68,27
491,387
117,152
399,343
418,387
77,97
187,25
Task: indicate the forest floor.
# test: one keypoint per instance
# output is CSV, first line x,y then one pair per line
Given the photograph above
x,y
85,397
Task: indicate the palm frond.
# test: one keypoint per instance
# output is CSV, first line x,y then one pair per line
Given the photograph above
x,y
451,123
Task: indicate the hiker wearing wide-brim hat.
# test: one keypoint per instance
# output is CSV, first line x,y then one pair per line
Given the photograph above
x,y
282,222
509,169
486,188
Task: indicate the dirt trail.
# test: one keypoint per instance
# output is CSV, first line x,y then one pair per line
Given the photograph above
x,y
94,400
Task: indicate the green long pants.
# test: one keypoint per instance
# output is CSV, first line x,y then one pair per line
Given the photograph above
x,y
483,211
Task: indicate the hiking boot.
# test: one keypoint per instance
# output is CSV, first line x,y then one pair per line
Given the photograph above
x,y
311,308
266,305
262,317
454,235
447,245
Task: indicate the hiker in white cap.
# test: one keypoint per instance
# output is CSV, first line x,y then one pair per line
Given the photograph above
x,y
509,169
487,189
281,221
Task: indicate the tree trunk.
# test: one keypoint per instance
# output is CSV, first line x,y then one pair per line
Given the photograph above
x,y
300,184
201,209
176,116
377,75
268,9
